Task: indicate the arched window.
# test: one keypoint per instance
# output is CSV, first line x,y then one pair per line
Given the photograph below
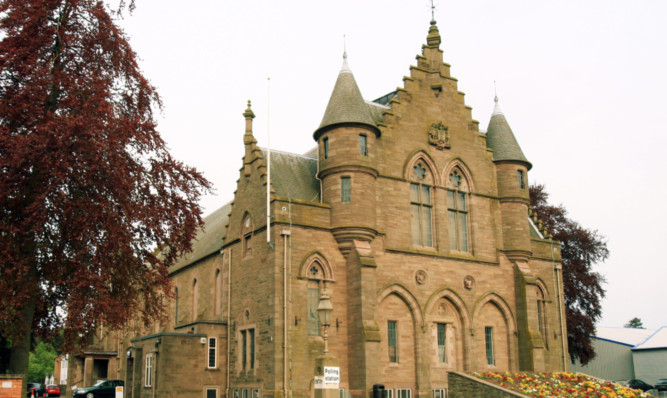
x,y
315,282
195,299
246,235
542,314
457,211
218,291
421,204
176,307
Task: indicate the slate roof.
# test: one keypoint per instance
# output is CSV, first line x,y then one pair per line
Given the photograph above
x,y
500,138
346,105
626,336
655,341
209,240
294,176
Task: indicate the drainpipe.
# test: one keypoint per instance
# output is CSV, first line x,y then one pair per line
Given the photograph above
x,y
285,233
563,333
229,314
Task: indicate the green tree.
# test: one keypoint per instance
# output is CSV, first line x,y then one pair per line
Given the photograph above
x,y
581,249
634,323
41,362
88,188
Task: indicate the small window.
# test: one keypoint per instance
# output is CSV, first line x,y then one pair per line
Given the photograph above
x,y
244,393
345,189
236,393
488,335
244,349
255,393
442,352
457,211
212,353
362,145
326,148
403,393
252,347
522,181
211,393
148,374
389,393
248,349
392,341
440,393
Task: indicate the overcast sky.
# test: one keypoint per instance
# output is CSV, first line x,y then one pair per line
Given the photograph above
x,y
582,83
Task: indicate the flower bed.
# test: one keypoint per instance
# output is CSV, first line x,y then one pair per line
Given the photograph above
x,y
559,384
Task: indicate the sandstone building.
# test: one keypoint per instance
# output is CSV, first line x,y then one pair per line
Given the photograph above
x,y
414,223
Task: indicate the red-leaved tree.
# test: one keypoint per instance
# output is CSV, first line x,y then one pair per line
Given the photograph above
x,y
88,191
581,249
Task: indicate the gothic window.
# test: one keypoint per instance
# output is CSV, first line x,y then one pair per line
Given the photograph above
x,y
315,276
218,292
195,299
457,211
488,337
421,205
442,338
247,232
522,181
345,189
541,314
392,341
176,307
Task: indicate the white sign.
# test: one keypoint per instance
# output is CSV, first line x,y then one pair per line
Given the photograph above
x,y
331,376
6,384
319,382
119,392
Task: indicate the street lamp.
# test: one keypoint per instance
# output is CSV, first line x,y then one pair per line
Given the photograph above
x,y
324,309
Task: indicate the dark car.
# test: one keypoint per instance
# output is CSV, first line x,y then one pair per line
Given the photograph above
x,y
101,389
661,385
639,385
35,390
52,390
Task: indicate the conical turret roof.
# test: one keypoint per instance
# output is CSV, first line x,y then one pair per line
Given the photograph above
x,y
346,105
500,138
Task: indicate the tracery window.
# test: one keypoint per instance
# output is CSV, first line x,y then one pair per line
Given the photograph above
x,y
246,239
421,205
315,276
457,211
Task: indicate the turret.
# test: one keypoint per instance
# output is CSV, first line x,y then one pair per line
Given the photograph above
x,y
347,153
512,174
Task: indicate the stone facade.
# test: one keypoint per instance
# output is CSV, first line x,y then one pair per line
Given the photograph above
x,y
415,223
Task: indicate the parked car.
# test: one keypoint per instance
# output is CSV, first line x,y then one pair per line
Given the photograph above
x,y
101,389
661,385
636,384
35,390
52,390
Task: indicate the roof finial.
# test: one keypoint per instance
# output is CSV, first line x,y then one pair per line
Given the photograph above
x,y
345,68
344,48
432,13
496,107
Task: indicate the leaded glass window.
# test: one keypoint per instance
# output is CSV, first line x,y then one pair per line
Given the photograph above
x,y
421,206
345,189
442,352
392,341
488,336
457,212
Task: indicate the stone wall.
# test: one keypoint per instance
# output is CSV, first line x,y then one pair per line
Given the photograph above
x,y
11,386
464,386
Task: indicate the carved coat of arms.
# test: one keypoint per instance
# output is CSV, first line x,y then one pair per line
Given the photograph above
x,y
438,135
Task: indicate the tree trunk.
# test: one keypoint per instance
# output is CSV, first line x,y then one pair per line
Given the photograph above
x,y
20,353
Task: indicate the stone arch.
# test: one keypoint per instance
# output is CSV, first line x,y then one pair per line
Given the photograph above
x,y
458,164
455,299
502,305
417,156
543,287
447,338
316,259
508,346
410,300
